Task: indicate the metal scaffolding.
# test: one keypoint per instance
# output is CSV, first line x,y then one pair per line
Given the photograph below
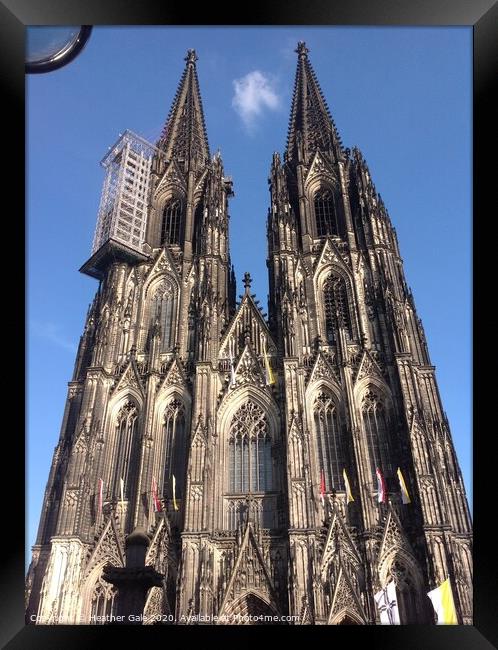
x,y
123,207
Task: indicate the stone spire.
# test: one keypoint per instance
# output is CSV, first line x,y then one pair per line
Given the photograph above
x,y
184,135
311,127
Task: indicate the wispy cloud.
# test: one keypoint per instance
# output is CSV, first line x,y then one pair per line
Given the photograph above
x,y
254,93
51,332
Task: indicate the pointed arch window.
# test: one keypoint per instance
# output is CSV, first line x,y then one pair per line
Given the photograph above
x,y
126,437
198,227
172,223
175,448
409,599
103,603
326,218
163,313
250,451
376,431
329,440
337,311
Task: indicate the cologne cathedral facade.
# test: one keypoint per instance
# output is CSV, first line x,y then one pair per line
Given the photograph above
x,y
248,448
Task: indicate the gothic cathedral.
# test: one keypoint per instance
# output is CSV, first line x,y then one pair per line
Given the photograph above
x,y
290,466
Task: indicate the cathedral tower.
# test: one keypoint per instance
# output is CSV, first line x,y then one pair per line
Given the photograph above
x,y
360,391
230,439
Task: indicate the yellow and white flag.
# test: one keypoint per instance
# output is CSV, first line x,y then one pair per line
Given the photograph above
x,y
405,497
270,377
175,505
349,494
442,601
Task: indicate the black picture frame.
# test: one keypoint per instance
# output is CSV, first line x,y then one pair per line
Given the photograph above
x,y
483,16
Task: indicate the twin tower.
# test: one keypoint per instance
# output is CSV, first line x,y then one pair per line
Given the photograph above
x,y
229,437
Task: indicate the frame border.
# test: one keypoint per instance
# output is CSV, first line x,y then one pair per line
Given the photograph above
x,y
483,16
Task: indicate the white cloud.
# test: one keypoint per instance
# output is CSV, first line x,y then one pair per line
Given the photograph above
x,y
50,332
254,93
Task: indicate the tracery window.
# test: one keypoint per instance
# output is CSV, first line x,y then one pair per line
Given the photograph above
x,y
250,451
376,431
171,225
103,603
336,305
163,311
410,608
126,437
326,214
330,444
175,448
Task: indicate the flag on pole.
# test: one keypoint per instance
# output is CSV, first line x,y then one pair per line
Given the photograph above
x,y
381,487
405,497
100,496
442,601
155,498
175,505
232,373
387,604
349,495
322,487
121,487
269,376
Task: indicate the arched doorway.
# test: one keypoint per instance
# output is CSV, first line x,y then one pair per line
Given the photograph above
x,y
346,617
347,620
249,609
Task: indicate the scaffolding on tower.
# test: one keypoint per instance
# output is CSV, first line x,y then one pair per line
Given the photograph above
x,y
123,211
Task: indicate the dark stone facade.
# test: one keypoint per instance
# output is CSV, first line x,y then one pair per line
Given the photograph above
x,y
174,378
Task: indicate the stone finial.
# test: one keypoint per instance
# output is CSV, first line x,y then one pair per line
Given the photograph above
x,y
191,57
301,49
247,282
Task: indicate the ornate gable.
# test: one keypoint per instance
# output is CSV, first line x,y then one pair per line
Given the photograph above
x,y
331,255
394,545
129,379
172,176
108,548
247,313
338,541
393,539
321,167
295,430
175,376
345,600
322,369
250,573
157,553
200,437
249,369
164,263
369,367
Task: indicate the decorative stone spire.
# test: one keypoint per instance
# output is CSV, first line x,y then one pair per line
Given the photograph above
x,y
311,127
184,136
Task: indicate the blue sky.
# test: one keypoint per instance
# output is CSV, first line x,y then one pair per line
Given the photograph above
x,y
402,95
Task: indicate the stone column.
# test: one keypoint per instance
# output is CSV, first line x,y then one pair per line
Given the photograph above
x,y
134,580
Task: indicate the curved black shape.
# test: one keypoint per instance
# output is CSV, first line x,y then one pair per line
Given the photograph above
x,y
63,56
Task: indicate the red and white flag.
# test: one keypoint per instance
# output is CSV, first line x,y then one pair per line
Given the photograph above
x,y
100,496
155,498
381,487
322,488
